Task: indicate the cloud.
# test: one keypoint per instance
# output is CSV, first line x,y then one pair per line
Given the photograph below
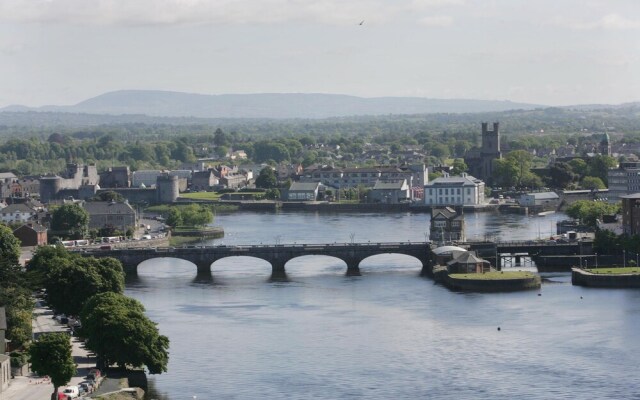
x,y
180,12
437,21
607,22
422,4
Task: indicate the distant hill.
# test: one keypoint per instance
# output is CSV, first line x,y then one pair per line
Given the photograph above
x,y
274,106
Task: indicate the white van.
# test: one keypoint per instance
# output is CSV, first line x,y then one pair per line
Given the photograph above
x,y
72,392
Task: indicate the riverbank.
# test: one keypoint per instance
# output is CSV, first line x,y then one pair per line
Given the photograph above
x,y
606,277
329,207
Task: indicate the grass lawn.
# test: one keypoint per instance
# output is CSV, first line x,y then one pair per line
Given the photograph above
x,y
201,196
495,275
178,241
614,271
193,228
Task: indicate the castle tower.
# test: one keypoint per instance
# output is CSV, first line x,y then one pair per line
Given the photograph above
x,y
167,188
49,188
490,150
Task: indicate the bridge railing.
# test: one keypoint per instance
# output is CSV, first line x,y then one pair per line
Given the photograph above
x,y
314,246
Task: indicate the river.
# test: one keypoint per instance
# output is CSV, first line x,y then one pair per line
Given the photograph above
x,y
388,334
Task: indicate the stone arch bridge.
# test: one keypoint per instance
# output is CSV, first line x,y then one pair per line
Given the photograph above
x,y
277,255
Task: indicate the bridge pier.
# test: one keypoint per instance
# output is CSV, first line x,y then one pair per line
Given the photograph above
x,y
204,267
278,272
353,270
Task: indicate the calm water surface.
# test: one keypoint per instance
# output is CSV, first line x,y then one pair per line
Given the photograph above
x,y
387,334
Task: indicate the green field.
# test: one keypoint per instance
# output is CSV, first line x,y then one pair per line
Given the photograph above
x,y
201,196
495,275
614,271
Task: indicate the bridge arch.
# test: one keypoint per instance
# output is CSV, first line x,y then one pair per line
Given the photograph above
x,y
312,264
160,267
235,266
392,260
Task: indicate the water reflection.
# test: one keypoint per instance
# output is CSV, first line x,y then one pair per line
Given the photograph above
x,y
385,334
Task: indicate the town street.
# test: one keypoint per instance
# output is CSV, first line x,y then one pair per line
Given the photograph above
x,y
36,388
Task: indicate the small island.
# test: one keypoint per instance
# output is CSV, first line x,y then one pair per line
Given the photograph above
x,y
494,281
609,277
461,270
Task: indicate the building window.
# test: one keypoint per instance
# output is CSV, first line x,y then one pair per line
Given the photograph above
x,y
440,224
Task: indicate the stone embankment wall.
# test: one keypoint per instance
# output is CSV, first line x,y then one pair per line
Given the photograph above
x,y
441,275
580,277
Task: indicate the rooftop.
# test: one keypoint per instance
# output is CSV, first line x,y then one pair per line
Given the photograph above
x,y
303,186
106,207
389,185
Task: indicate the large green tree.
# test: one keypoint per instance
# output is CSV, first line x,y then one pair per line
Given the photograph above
x,y
522,161
560,175
70,279
592,182
267,178
18,304
174,217
70,220
589,212
15,293
196,215
51,356
599,166
9,246
120,333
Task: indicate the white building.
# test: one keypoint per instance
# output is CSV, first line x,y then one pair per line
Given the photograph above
x,y
540,199
454,190
367,176
17,213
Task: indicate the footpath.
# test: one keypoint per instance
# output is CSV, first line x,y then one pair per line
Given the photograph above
x,y
32,387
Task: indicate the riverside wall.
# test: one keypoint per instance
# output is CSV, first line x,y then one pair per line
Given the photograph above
x,y
491,285
441,275
580,277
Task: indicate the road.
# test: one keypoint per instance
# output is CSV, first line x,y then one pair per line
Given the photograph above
x,y
35,388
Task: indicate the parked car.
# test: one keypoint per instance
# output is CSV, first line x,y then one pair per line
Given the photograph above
x,y
87,386
72,392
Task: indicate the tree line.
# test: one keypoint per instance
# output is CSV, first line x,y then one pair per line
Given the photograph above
x,y
115,326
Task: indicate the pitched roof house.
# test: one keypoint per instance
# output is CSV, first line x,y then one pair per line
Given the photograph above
x,y
31,234
17,213
105,213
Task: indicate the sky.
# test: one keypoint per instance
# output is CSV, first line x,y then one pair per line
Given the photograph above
x,y
550,52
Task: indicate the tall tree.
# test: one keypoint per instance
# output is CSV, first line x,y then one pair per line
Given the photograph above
x,y
589,212
70,220
120,333
591,182
522,160
560,175
267,178
51,356
71,279
9,246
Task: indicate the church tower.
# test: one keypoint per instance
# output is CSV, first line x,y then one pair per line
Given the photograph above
x,y
605,145
490,150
